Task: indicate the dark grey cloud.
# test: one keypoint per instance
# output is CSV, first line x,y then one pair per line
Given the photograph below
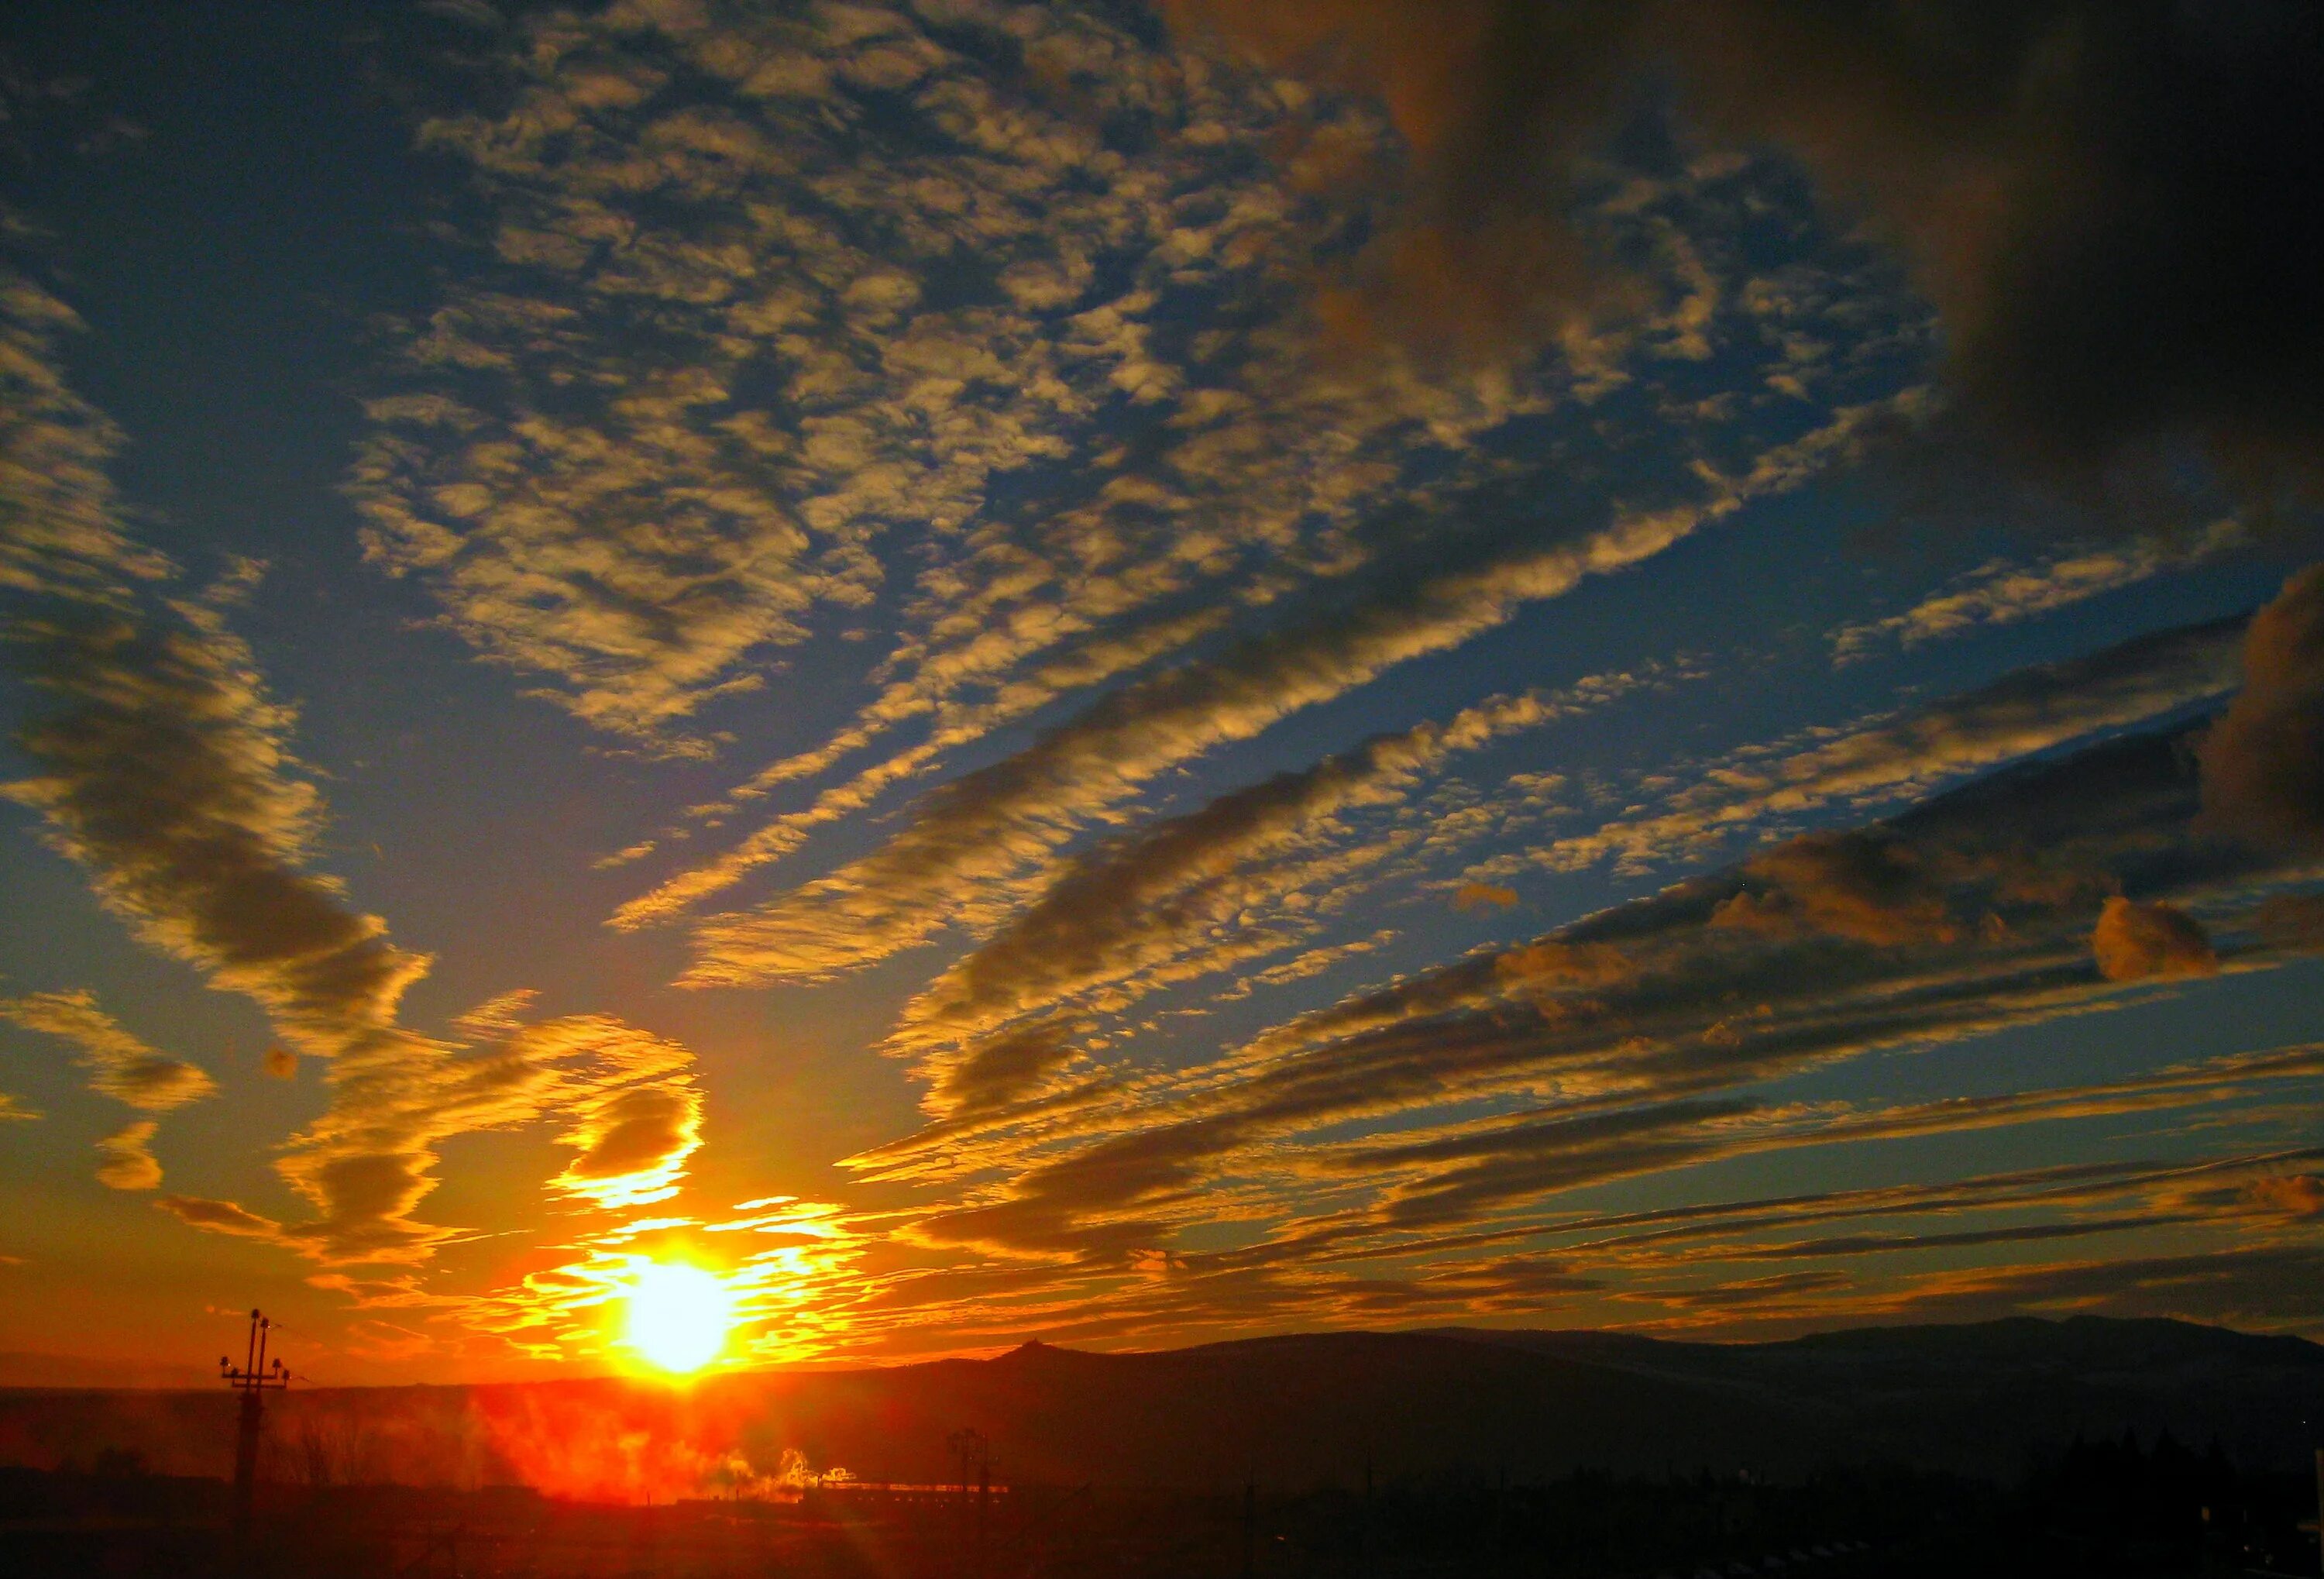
x,y
2263,765
164,769
2115,206
2133,942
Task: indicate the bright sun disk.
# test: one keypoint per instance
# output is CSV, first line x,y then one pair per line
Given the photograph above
x,y
679,1316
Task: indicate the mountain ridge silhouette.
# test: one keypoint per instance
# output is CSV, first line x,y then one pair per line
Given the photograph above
x,y
1298,1411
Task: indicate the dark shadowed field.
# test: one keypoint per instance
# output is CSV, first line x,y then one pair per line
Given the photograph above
x,y
2082,1447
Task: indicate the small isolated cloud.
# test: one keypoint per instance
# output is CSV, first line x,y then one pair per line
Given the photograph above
x,y
2263,765
119,1065
497,1016
13,1110
2133,942
220,1216
634,1145
1483,896
279,1062
2299,1196
2293,921
128,1162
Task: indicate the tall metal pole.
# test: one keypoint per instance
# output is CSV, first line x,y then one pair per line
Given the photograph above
x,y
1249,1525
252,1381
2320,1507
983,1512
969,1446
245,1461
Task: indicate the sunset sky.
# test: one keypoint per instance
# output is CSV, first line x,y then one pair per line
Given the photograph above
x,y
1131,675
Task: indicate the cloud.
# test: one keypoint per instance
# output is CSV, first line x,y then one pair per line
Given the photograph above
x,y
1683,1256
279,1062
1652,1027
2294,922
369,1160
13,1111
634,1145
1310,962
220,1217
2110,209
2263,765
2263,1285
1676,1233
128,1165
973,837
728,355
1480,225
2031,710
1678,1255
2133,942
164,771
61,537
1483,896
1855,885
163,767
1465,1172
1711,1256
988,826
2002,592
725,350
120,1065
1185,895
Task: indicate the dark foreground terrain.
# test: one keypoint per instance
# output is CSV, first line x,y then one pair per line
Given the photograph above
x,y
2105,1508
2084,1447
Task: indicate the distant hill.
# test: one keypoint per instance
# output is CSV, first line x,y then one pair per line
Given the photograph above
x,y
19,1368
1291,1412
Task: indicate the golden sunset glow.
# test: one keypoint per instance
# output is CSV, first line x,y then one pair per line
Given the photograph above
x,y
678,1316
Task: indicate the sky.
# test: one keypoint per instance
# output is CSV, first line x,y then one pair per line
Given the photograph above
x,y
1136,674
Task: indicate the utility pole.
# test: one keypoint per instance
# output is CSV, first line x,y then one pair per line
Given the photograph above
x,y
1249,1525
255,1378
968,1446
983,1511
974,1452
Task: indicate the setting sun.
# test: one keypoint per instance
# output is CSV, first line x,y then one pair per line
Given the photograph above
x,y
679,1316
